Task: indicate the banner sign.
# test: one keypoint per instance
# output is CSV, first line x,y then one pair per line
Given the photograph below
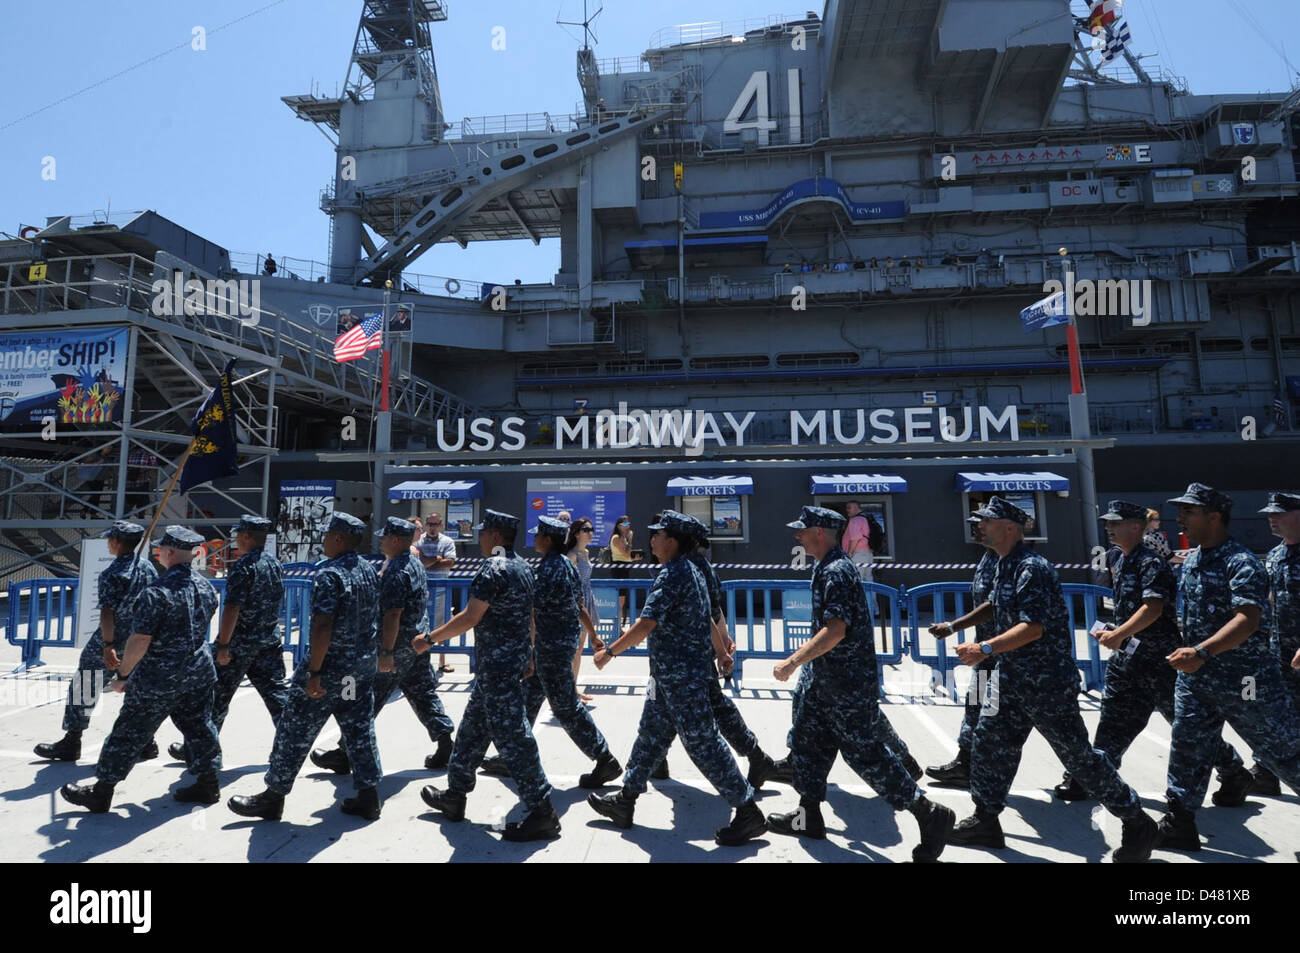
x,y
601,500
804,190
75,376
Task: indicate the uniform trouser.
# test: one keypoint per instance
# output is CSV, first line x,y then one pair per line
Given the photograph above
x,y
880,726
1015,704
730,722
845,719
264,666
1288,646
1137,685
496,715
88,683
553,680
681,708
188,702
1266,718
351,701
974,698
415,676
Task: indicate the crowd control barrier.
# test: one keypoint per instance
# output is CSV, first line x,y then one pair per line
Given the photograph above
x,y
769,619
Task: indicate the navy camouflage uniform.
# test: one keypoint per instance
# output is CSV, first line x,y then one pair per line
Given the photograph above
x,y
119,586
405,585
346,589
1143,682
681,670
256,585
981,590
176,674
838,709
496,711
1243,686
1283,566
557,596
1035,686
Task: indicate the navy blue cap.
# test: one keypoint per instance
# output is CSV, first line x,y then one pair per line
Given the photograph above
x,y
999,509
671,521
1198,494
347,524
494,519
179,537
248,523
124,530
697,528
396,526
1124,510
813,516
1282,503
550,526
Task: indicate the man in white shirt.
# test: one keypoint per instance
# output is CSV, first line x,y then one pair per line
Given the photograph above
x,y
437,553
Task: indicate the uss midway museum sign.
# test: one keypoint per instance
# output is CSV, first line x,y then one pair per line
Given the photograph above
x,y
694,431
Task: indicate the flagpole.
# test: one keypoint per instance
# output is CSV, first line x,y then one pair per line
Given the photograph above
x,y
180,465
384,425
1080,422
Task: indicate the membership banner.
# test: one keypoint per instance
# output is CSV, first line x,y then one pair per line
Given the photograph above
x,y
76,376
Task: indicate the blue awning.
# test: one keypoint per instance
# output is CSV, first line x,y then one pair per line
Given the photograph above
x,y
711,486
436,490
849,483
1010,482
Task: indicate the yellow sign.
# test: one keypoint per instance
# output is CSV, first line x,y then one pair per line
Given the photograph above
x,y
677,174
37,272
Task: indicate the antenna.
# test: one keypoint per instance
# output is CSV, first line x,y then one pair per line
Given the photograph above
x,y
588,35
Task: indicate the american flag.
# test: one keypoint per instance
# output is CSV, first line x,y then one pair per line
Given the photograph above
x,y
366,336
1117,37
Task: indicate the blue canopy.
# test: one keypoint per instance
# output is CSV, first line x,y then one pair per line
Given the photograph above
x,y
436,490
711,486
849,483
1010,482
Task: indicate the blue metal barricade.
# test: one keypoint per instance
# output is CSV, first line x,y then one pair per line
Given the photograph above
x,y
606,592
41,612
944,601
768,626
447,596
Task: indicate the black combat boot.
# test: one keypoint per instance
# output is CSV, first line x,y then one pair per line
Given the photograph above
x,y
451,804
93,797
747,824
148,752
805,821
1177,830
67,748
178,751
495,767
606,770
784,770
1233,788
268,805
936,824
660,773
542,823
978,830
205,790
913,767
1070,790
336,760
1264,781
438,760
761,768
618,807
954,774
1140,835
366,804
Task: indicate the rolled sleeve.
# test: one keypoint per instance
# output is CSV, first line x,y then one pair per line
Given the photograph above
x,y
113,587
1031,595
148,613
1157,581
487,585
838,599
393,591
327,591
239,585
1248,584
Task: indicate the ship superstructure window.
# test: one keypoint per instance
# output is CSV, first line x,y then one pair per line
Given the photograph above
x,y
827,359
1221,345
1264,344
720,503
548,369
1025,490
739,362
873,492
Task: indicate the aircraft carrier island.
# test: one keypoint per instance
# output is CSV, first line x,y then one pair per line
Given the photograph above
x,y
899,261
